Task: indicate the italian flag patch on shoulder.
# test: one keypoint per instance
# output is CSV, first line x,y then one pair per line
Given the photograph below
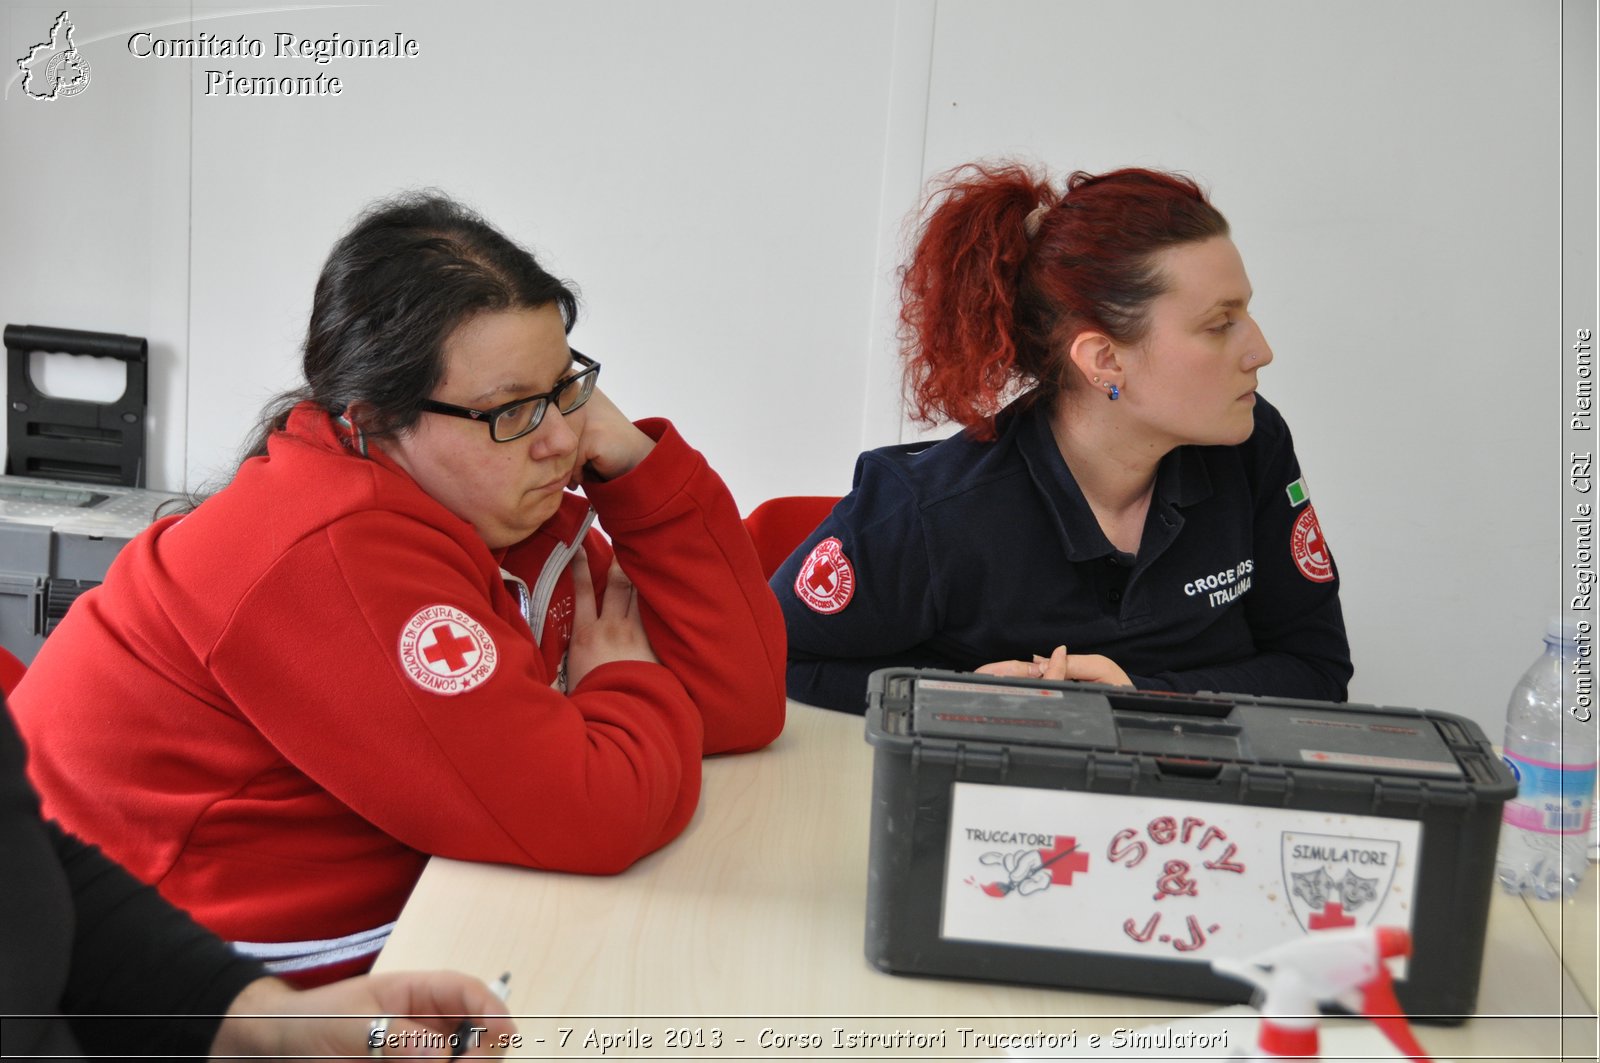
x,y
1298,495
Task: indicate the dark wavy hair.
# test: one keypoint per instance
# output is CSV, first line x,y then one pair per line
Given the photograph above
x,y
411,270
987,305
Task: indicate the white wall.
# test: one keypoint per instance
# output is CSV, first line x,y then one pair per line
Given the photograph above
x,y
727,183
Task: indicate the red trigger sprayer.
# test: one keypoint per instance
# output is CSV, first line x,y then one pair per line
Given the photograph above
x,y
1344,967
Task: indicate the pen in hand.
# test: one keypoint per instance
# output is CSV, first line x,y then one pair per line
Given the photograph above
x,y
463,1036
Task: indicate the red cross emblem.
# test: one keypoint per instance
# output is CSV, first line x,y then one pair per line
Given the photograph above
x,y
1063,859
1330,918
826,581
823,579
445,651
450,646
1309,548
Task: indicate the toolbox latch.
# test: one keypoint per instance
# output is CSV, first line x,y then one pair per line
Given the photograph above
x,y
59,594
1413,795
1111,774
982,762
1397,794
1263,785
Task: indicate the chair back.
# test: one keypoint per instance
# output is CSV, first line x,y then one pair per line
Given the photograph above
x,y
778,525
11,671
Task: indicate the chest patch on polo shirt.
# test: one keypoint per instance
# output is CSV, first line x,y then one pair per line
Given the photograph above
x,y
1221,587
1310,549
445,651
826,581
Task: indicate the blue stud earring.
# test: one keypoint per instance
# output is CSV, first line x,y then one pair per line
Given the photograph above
x,y
1114,393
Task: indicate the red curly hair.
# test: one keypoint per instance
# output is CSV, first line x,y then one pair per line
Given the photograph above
x,y
987,306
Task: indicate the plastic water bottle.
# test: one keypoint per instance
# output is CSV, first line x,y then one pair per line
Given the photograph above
x,y
1544,832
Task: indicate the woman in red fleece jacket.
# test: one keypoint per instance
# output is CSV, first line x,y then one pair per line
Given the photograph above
x,y
395,633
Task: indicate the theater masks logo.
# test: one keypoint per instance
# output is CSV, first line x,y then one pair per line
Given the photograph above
x,y
1333,881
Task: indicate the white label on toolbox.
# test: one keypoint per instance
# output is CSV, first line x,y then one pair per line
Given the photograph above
x,y
987,688
1166,879
1366,760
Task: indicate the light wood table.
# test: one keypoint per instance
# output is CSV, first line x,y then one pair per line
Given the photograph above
x,y
1571,928
754,919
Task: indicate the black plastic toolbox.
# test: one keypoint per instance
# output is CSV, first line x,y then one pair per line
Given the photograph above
x,y
1097,837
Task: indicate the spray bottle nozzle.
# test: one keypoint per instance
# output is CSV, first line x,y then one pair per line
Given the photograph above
x,y
1342,966
1393,941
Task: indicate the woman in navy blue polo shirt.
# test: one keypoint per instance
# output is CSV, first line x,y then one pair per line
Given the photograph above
x,y
1135,515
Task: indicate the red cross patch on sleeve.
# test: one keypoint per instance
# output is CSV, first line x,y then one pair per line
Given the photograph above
x,y
826,581
445,651
1310,549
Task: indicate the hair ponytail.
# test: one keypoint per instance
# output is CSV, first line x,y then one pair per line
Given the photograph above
x,y
959,293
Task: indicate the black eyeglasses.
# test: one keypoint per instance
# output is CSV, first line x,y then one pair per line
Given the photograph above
x,y
517,418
